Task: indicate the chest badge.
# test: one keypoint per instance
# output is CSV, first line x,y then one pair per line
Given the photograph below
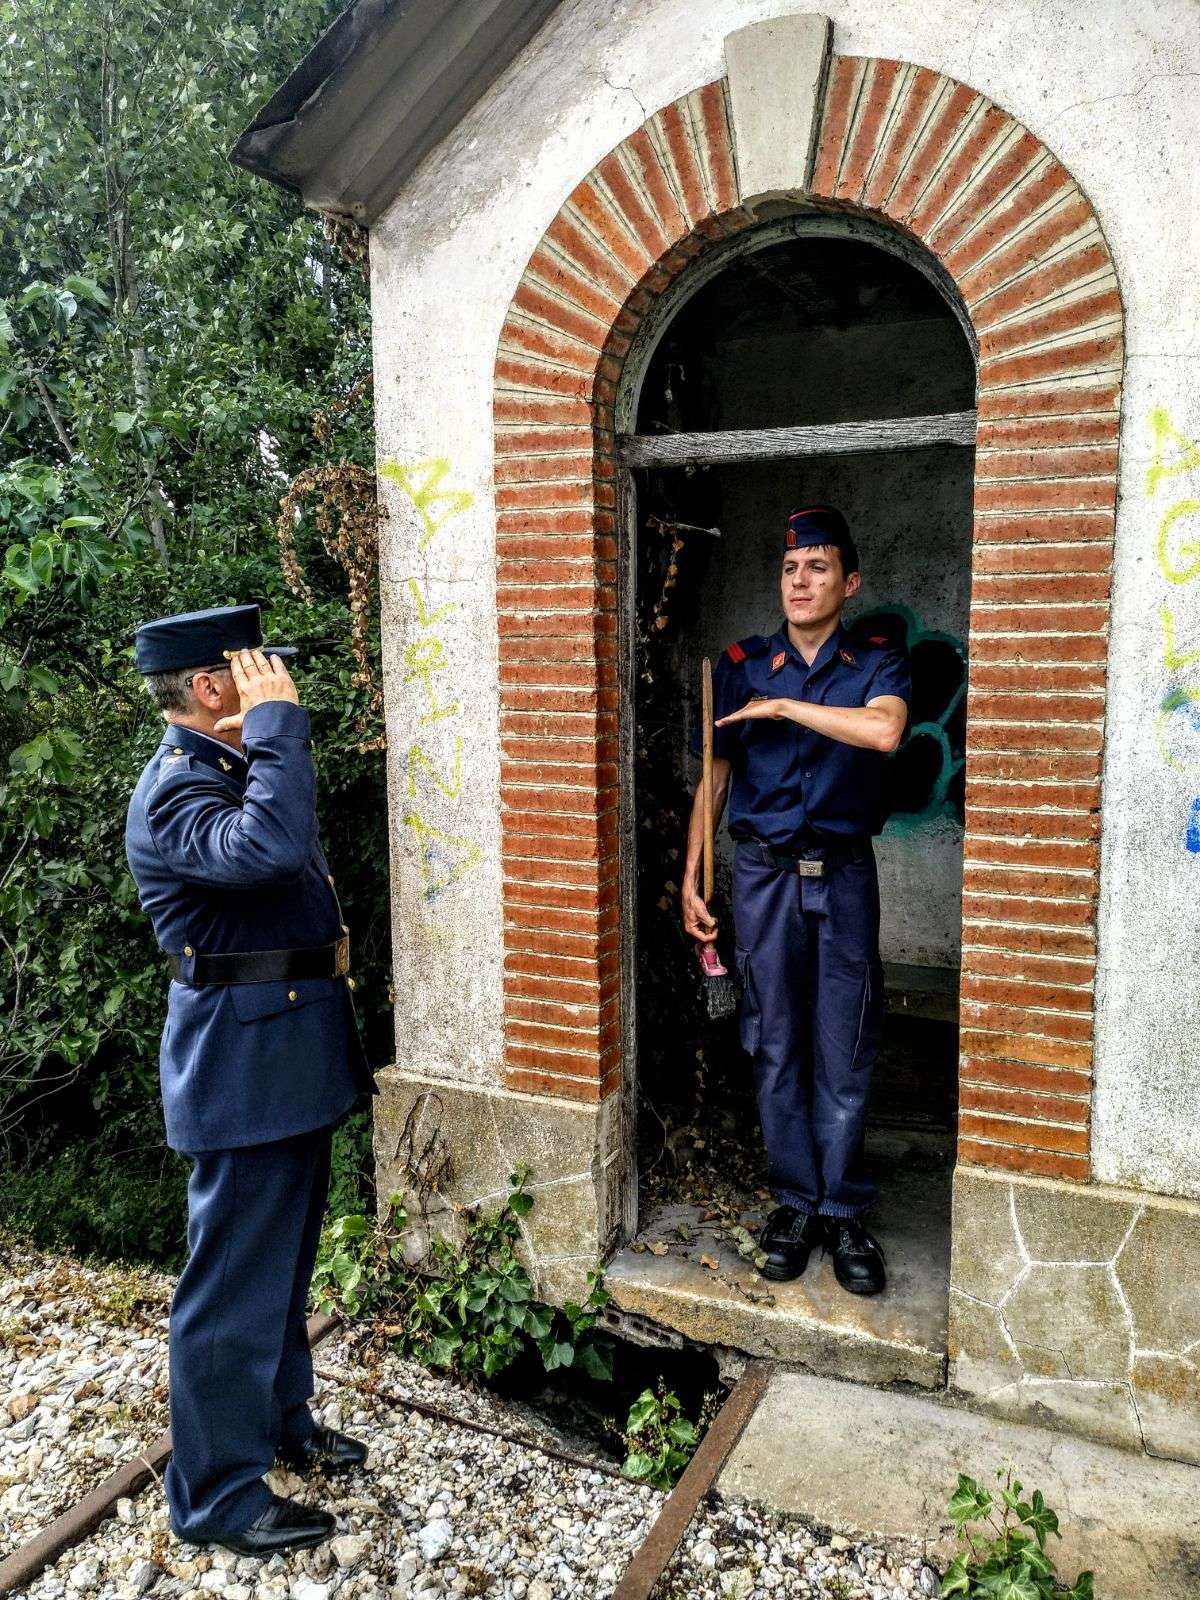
x,y
778,661
847,658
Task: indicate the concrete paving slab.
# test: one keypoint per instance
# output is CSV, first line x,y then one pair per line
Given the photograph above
x,y
896,1337
861,1460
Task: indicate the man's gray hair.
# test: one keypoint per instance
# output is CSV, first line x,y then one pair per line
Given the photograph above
x,y
171,691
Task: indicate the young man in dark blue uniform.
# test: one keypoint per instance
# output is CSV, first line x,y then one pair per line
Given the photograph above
x,y
260,1057
803,722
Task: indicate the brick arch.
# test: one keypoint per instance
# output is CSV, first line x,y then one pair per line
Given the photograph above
x,y
1018,238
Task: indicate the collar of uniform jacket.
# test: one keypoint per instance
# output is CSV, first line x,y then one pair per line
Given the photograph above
x,y
782,650
222,758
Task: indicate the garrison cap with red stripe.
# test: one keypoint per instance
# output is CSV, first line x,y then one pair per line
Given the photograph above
x,y
816,525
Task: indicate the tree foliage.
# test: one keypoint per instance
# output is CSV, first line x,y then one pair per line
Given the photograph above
x,y
173,333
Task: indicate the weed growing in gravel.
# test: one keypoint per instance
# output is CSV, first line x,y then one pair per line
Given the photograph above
x,y
470,1307
1007,1557
659,1439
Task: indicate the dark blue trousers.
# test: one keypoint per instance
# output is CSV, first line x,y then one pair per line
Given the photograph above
x,y
240,1371
812,1007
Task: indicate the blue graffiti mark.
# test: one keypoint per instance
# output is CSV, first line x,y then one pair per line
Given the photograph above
x,y
926,775
1192,838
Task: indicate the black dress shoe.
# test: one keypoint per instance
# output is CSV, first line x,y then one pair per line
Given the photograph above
x,y
858,1263
788,1236
324,1449
284,1525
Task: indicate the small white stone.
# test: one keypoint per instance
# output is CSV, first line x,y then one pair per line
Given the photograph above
x,y
838,1542
539,1589
309,1589
705,1555
435,1538
144,1575
350,1548
84,1575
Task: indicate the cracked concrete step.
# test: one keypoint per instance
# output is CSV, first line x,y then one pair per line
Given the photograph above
x,y
861,1460
896,1337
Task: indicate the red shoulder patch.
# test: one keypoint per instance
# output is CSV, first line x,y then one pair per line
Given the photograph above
x,y
878,638
735,652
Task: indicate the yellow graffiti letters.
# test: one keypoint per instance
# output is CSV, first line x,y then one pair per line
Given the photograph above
x,y
418,761
425,618
1186,460
443,856
1174,660
421,483
1188,550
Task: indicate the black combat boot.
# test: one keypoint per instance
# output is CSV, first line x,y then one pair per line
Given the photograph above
x,y
858,1263
788,1236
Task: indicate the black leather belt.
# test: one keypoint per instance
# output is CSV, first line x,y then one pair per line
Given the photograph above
x,y
264,966
814,863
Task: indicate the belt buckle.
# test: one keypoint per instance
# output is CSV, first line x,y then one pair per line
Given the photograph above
x,y
341,954
810,869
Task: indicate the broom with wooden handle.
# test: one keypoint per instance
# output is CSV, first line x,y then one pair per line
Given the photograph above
x,y
720,990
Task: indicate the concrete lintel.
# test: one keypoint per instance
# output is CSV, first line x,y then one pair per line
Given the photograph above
x,y
777,71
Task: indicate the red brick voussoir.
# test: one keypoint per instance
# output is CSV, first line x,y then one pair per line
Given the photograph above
x,y
1019,239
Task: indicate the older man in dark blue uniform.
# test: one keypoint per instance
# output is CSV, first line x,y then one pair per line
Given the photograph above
x,y
260,1057
803,721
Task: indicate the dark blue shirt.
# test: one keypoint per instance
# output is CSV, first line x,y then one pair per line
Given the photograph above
x,y
789,785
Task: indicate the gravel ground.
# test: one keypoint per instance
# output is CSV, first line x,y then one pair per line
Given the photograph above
x,y
440,1509
83,1381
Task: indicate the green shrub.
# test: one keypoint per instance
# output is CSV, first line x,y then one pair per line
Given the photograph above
x,y
119,1194
659,1439
468,1308
1006,1558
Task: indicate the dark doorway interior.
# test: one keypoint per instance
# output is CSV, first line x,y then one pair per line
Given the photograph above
x,y
805,331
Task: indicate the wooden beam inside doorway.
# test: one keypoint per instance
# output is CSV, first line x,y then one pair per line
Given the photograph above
x,y
773,444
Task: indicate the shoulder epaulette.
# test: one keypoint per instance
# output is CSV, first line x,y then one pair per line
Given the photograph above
x,y
173,761
755,645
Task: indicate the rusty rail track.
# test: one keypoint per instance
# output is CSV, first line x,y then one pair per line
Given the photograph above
x,y
646,1567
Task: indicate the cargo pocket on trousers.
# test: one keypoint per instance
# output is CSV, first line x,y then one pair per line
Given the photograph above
x,y
870,1018
750,1018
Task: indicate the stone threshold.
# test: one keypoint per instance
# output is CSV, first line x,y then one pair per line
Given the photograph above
x,y
897,1337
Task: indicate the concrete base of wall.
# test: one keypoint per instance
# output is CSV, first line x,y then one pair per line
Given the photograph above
x,y
866,1461
1078,1307
475,1137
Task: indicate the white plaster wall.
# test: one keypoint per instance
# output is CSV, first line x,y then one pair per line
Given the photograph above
x,y
1114,91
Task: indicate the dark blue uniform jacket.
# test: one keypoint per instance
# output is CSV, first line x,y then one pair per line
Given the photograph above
x,y
225,853
789,785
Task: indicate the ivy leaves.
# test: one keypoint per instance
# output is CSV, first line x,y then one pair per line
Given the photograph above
x,y
659,1438
1006,1559
469,1308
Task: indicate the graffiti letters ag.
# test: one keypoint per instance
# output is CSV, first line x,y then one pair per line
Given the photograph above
x,y
433,776
1175,467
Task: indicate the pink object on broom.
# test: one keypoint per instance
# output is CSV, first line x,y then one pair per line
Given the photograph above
x,y
710,961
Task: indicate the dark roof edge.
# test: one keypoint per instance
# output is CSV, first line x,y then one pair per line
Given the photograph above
x,y
313,136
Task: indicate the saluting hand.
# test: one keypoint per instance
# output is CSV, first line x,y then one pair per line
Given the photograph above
x,y
257,677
